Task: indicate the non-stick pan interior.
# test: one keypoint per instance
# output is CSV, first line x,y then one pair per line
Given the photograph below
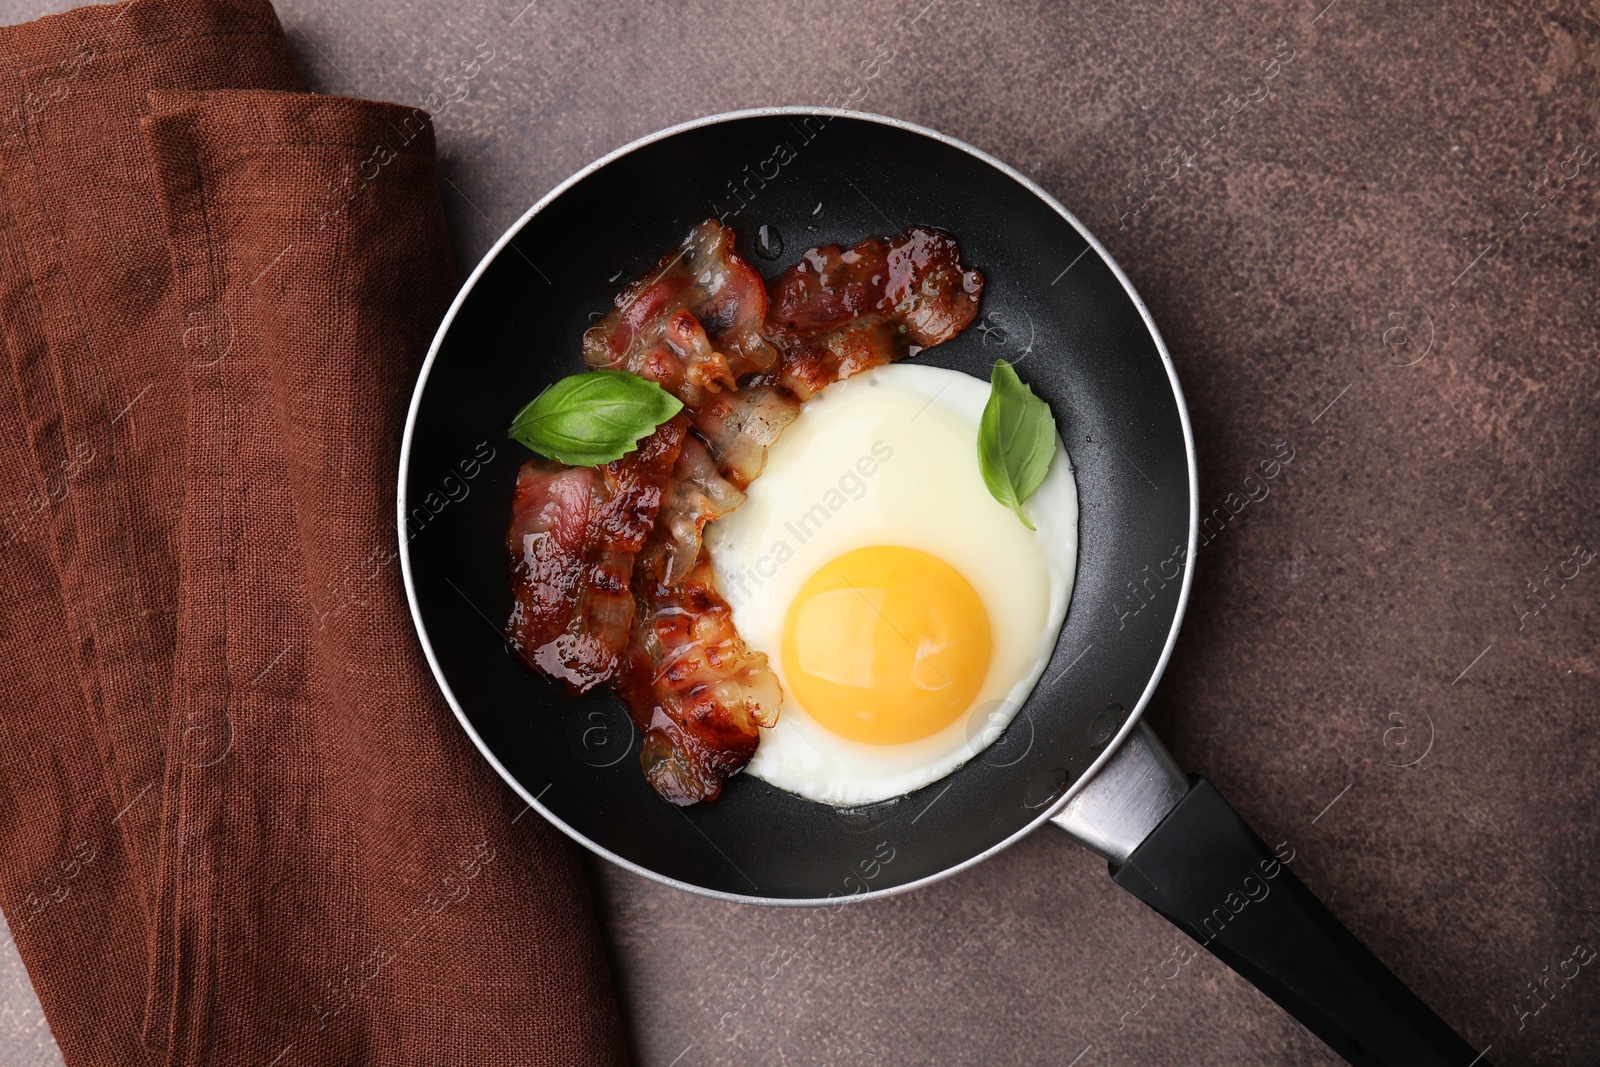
x,y
1052,306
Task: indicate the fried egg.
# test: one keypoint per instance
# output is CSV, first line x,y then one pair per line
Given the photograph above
x,y
907,613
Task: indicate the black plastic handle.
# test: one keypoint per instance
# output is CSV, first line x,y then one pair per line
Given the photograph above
x,y
1208,873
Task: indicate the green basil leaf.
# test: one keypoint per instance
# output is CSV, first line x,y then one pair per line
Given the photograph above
x,y
593,418
1016,440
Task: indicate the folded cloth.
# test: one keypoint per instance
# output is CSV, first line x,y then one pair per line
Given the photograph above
x,y
238,824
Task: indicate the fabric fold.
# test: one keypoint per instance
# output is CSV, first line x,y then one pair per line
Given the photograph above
x,y
100,412
225,287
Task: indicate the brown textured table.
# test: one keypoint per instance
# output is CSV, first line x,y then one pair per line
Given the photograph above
x,y
1381,252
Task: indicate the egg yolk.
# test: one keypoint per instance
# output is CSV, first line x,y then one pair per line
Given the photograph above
x,y
886,645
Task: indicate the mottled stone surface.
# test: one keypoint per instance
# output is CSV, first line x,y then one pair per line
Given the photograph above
x,y
1366,206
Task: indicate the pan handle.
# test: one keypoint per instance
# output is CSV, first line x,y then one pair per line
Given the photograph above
x,y
1199,865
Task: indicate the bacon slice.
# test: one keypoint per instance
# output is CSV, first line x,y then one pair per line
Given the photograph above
x,y
696,693
693,324
573,537
739,427
839,312
695,495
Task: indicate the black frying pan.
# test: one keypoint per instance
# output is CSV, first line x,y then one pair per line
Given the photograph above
x,y
1056,304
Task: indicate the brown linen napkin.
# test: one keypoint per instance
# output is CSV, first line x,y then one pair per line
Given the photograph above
x,y
238,825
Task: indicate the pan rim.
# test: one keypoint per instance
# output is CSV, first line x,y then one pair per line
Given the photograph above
x,y
532,801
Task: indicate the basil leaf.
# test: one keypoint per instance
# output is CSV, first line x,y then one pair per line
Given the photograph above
x,y
593,418
1016,440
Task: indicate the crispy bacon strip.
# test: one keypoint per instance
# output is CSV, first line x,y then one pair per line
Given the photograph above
x,y
573,537
695,692
695,495
839,312
693,324
740,426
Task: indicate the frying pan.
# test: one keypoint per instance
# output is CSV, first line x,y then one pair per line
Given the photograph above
x,y
1076,756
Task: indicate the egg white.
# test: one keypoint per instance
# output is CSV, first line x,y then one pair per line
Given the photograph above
x,y
889,457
